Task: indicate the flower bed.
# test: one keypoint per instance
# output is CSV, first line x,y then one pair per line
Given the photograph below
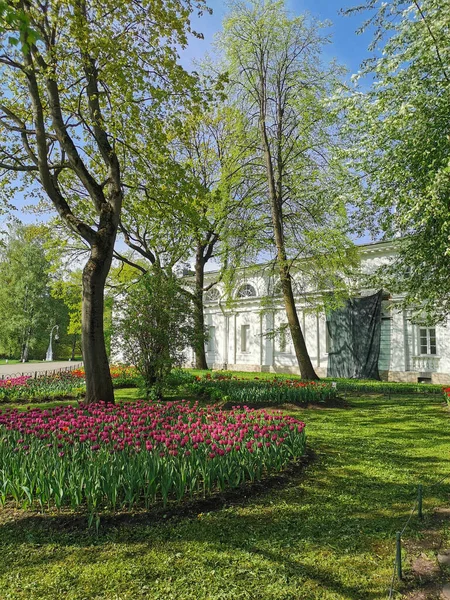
x,y
137,454
385,387
26,388
254,391
446,392
69,384
342,385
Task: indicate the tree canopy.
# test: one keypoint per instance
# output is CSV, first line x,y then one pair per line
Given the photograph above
x,y
401,146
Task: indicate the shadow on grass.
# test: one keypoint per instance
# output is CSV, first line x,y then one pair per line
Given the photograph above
x,y
346,504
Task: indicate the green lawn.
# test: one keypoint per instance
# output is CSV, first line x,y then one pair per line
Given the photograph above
x,y
12,361
327,533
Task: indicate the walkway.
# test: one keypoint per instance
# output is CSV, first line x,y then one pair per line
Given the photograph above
x,y
40,368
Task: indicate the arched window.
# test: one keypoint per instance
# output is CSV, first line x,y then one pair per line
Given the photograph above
x,y
246,291
212,295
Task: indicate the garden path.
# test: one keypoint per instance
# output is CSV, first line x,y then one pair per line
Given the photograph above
x,y
31,368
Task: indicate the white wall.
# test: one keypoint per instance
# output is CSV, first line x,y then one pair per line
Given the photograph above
x,y
398,335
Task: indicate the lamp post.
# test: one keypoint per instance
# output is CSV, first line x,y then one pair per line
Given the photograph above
x,y
49,355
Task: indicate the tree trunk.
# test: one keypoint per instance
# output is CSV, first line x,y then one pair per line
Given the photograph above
x,y
301,351
199,319
25,347
99,386
74,345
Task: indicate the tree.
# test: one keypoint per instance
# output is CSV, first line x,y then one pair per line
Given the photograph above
x,y
69,291
401,149
190,198
281,86
217,200
155,326
74,103
26,307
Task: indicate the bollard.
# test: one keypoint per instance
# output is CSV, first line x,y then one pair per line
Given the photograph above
x,y
419,501
398,555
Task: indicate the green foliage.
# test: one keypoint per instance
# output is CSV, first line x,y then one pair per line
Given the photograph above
x,y
155,327
401,147
251,392
27,310
281,84
70,292
179,378
14,18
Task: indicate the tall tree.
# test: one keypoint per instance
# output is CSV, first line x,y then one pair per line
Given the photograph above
x,y
74,100
26,307
280,83
217,203
190,199
69,290
402,146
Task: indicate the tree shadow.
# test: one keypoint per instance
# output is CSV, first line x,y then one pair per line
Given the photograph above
x,y
334,500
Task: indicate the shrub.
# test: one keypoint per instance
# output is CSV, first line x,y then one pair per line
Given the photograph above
x,y
155,328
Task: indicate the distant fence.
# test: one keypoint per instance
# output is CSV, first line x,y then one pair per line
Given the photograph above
x,y
41,372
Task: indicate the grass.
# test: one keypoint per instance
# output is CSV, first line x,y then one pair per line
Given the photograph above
x,y
13,361
326,533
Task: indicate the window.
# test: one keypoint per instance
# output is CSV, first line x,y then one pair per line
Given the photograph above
x,y
212,295
211,344
427,340
246,291
245,337
283,337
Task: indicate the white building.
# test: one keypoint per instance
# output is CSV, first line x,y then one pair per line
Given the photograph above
x,y
239,340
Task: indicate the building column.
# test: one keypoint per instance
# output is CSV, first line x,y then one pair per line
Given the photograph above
x,y
318,338
234,338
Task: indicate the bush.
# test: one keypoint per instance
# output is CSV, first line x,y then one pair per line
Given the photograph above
x,y
155,328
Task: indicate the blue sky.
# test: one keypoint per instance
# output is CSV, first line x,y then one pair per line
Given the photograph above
x,y
348,48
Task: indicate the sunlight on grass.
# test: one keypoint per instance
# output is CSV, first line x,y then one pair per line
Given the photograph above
x,y
326,534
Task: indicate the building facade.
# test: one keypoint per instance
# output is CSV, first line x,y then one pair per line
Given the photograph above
x,y
249,335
